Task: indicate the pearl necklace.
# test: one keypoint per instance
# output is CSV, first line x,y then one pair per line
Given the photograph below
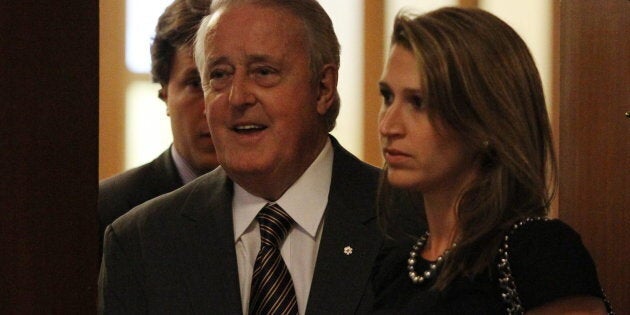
x,y
433,267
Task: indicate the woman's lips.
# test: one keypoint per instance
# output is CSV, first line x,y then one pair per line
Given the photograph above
x,y
395,157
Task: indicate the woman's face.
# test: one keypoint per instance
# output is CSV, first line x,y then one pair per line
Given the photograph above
x,y
420,154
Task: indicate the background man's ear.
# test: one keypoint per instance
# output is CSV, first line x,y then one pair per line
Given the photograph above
x,y
163,96
162,93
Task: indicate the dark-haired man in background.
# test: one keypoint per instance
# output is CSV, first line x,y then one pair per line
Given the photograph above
x,y
192,152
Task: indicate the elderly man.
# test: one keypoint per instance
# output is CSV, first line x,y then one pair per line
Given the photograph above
x,y
286,224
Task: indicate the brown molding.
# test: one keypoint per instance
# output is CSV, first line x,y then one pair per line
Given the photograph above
x,y
113,80
469,3
555,92
373,65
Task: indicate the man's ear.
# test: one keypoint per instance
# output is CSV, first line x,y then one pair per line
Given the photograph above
x,y
327,88
163,95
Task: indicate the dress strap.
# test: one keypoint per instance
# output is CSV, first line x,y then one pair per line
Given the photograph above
x,y
507,286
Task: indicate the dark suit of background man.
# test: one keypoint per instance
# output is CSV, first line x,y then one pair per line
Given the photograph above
x,y
269,74
192,151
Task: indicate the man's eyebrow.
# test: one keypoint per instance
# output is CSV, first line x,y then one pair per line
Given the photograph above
x,y
253,58
258,58
191,72
211,62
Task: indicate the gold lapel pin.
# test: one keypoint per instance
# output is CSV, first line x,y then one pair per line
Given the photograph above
x,y
347,250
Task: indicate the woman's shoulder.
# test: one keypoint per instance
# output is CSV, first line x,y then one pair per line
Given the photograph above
x,y
535,228
543,240
548,261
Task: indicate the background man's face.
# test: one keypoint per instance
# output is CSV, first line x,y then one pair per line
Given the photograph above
x,y
184,106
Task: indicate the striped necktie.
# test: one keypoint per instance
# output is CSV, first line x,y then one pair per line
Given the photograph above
x,y
272,288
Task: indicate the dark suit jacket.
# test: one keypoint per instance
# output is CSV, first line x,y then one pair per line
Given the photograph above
x,y
120,193
175,254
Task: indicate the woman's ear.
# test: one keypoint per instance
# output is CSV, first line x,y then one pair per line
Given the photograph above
x,y
327,88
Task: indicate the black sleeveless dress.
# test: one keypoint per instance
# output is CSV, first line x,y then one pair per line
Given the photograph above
x,y
548,262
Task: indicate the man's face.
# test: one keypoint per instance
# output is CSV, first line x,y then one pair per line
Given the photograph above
x,y
265,115
184,106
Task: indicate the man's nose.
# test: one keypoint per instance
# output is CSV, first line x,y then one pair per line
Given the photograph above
x,y
240,91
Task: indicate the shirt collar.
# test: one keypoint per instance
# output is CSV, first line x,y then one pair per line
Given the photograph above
x,y
305,201
184,170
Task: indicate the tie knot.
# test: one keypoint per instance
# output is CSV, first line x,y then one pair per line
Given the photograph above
x,y
275,224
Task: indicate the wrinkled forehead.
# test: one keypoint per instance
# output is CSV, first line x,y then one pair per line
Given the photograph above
x,y
255,29
269,17
237,32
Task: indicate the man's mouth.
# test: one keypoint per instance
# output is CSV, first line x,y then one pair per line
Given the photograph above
x,y
250,128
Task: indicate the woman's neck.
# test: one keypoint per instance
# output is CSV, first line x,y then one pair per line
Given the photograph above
x,y
440,205
442,223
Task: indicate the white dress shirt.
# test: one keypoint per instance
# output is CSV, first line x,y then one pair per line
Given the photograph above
x,y
305,201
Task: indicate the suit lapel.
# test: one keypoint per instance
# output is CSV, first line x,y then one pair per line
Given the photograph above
x,y
350,241
344,264
208,258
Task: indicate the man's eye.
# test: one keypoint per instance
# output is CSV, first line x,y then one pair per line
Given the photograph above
x,y
218,78
217,74
264,71
196,83
266,76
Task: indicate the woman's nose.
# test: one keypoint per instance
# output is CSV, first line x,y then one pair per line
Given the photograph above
x,y
390,123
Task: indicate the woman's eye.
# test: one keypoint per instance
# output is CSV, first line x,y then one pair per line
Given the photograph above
x,y
388,97
416,101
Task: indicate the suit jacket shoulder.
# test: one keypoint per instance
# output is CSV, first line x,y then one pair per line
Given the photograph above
x,y
174,254
120,193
